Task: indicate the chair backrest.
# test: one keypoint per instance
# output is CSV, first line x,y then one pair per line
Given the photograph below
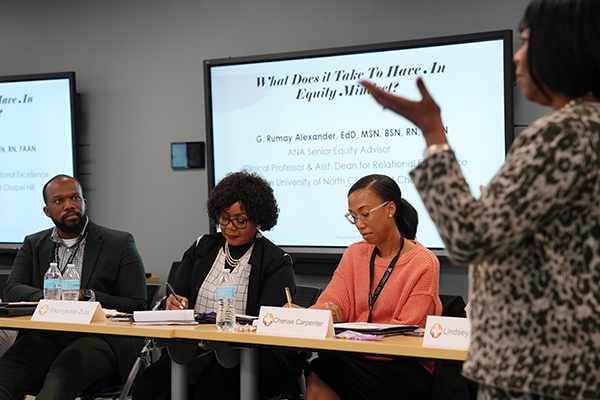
x,y
161,304
306,296
152,290
448,383
453,306
112,387
3,279
173,272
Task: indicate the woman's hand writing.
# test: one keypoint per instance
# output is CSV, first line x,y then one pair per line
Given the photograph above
x,y
173,304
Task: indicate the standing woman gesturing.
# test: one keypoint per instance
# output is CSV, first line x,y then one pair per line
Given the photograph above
x,y
533,238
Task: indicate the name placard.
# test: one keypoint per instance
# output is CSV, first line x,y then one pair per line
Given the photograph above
x,y
447,332
79,312
295,322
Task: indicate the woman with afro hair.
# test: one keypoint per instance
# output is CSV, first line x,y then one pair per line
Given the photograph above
x,y
242,204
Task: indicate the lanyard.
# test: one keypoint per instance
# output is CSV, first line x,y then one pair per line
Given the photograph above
x,y
373,296
71,258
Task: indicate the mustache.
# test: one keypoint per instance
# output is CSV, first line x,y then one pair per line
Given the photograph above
x,y
71,213
72,227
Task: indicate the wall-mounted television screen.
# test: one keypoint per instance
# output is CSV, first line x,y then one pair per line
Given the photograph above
x,y
302,121
37,142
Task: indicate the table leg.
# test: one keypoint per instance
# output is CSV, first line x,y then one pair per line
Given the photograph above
x,y
248,373
181,352
229,356
179,381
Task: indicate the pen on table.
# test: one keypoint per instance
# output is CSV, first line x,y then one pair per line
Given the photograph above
x,y
176,297
289,297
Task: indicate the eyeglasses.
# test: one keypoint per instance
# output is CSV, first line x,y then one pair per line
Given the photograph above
x,y
237,222
363,216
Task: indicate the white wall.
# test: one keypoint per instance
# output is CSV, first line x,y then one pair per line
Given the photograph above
x,y
139,72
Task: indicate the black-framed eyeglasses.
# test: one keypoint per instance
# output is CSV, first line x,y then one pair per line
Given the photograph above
x,y
237,222
363,216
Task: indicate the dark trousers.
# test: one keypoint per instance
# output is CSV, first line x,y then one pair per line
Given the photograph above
x,y
358,377
219,382
60,365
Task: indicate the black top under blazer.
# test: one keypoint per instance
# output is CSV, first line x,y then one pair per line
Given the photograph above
x,y
272,270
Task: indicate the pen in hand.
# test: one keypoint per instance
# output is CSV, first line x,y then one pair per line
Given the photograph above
x,y
289,297
175,295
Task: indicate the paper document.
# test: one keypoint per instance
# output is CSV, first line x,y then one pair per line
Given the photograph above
x,y
164,317
166,323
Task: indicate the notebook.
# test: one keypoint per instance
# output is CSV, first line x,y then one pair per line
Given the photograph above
x,y
373,329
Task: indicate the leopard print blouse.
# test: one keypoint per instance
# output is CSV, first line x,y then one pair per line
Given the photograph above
x,y
533,242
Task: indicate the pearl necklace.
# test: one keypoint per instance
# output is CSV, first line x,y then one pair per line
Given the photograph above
x,y
232,261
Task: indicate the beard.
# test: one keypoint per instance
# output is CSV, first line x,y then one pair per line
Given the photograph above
x,y
73,227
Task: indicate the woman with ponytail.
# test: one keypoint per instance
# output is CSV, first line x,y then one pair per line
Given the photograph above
x,y
388,278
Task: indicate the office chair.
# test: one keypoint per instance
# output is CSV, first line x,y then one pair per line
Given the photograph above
x,y
448,383
453,306
112,387
161,304
173,272
306,296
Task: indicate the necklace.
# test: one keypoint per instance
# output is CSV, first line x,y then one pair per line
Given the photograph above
x,y
233,261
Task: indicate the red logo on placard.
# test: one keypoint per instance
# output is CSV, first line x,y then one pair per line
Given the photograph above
x,y
268,319
436,331
44,309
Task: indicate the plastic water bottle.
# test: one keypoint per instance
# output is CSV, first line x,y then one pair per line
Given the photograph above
x,y
70,284
53,283
226,302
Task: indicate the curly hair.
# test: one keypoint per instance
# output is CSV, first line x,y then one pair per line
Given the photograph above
x,y
253,192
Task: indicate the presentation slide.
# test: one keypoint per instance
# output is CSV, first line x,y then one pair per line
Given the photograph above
x,y
311,130
35,145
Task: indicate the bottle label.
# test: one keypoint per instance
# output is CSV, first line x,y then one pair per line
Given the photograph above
x,y
70,285
225,291
52,284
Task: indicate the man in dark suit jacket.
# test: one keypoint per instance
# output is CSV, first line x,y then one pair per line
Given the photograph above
x,y
64,364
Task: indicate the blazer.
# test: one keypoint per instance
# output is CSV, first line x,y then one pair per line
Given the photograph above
x,y
112,268
533,242
272,270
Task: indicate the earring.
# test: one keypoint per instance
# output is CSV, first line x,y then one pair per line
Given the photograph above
x,y
390,215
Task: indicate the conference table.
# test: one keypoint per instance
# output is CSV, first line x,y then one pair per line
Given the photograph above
x,y
234,347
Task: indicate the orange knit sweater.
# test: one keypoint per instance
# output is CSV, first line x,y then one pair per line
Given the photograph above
x,y
408,297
